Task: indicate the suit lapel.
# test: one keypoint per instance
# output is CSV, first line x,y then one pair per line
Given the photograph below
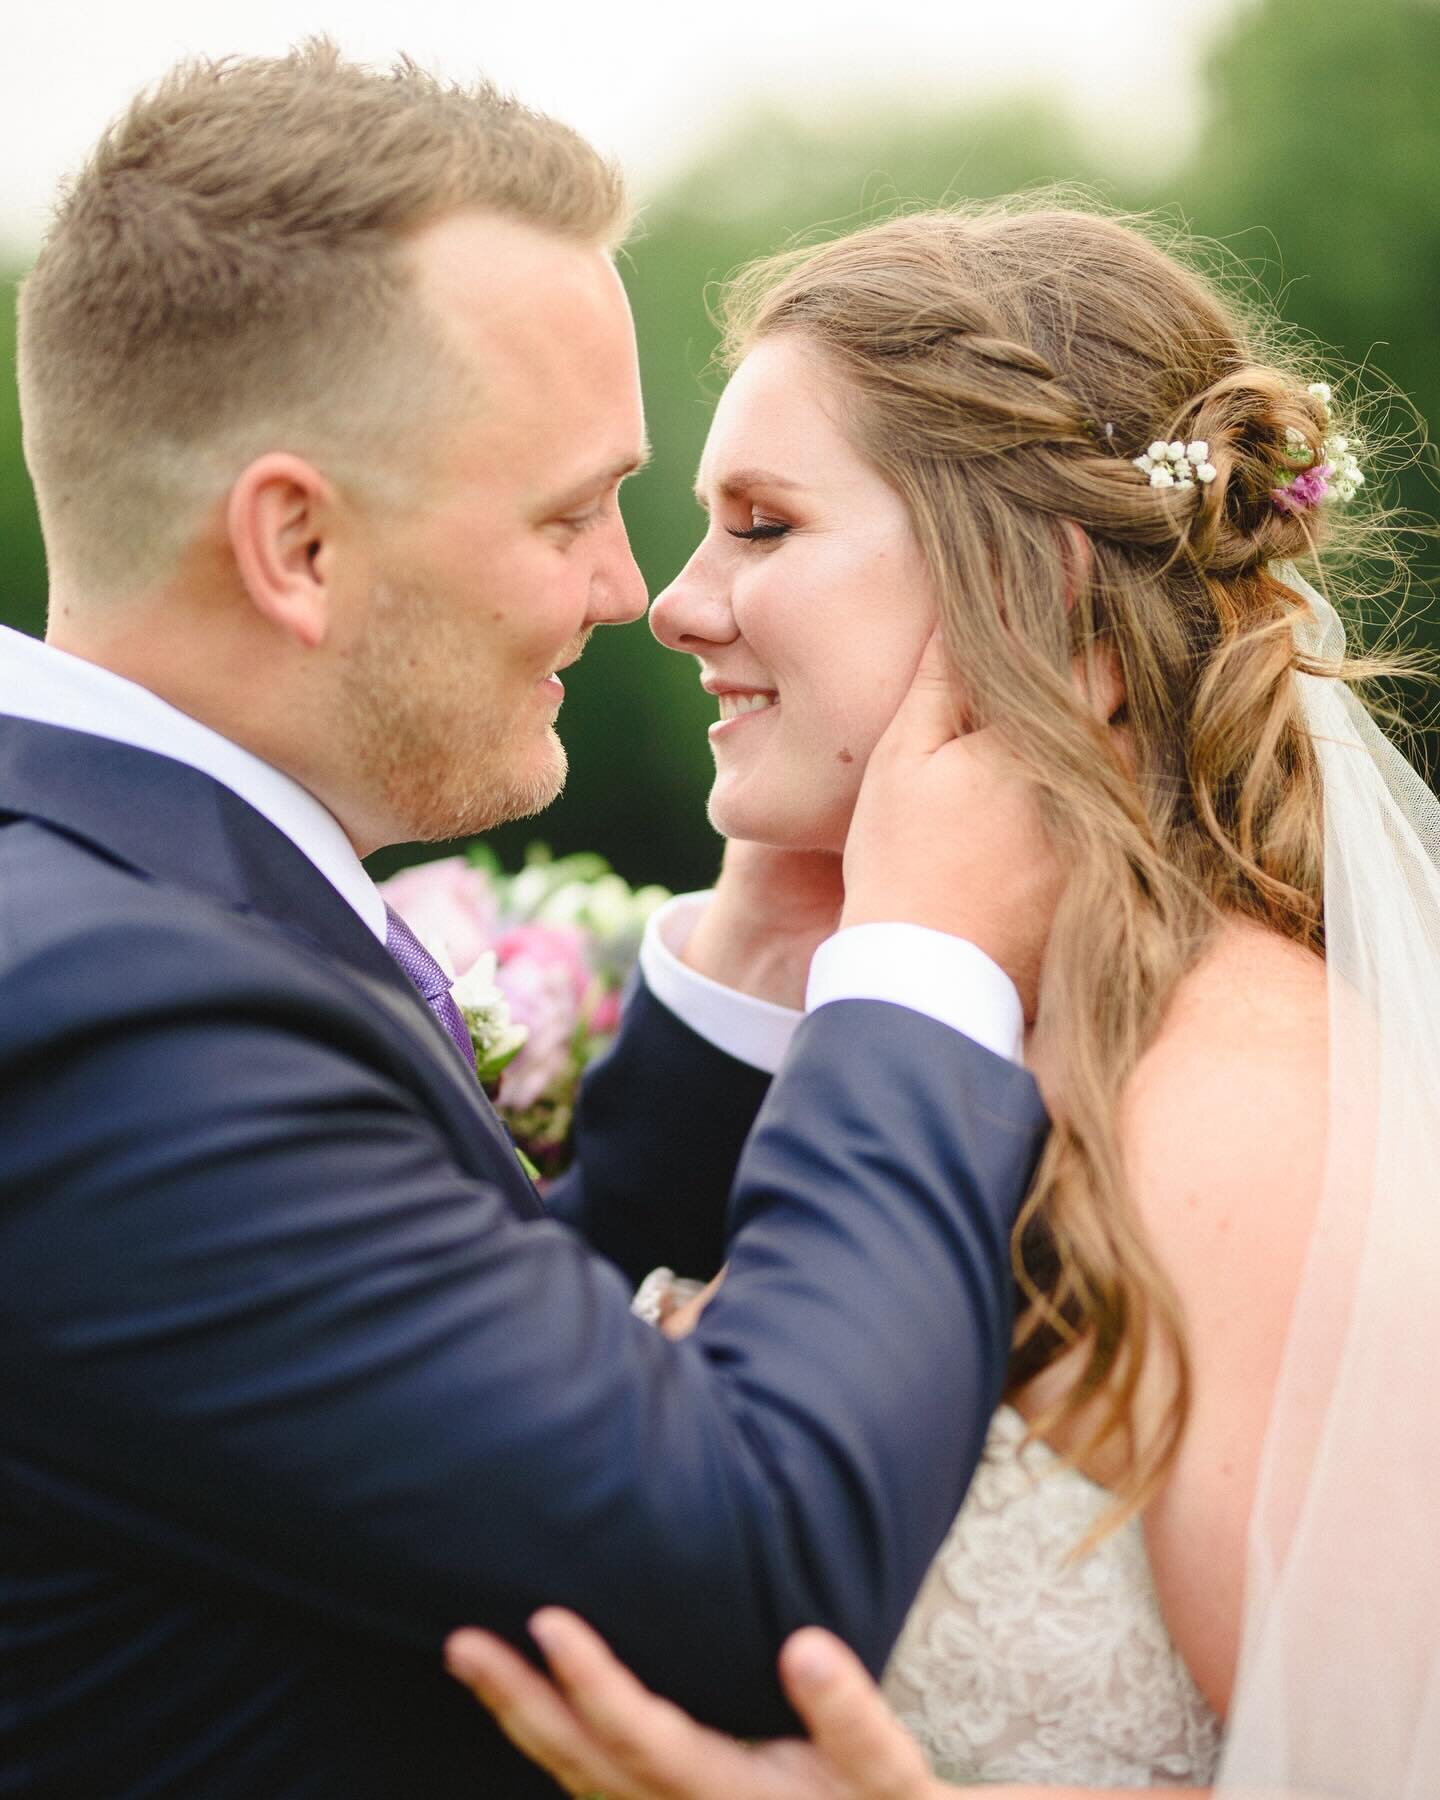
x,y
180,827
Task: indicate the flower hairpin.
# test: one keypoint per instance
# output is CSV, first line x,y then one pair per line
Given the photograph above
x,y
1312,479
1177,465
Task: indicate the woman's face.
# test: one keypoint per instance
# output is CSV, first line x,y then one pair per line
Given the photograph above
x,y
807,603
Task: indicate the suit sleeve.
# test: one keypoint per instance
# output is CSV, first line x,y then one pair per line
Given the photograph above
x,y
659,1129
263,1333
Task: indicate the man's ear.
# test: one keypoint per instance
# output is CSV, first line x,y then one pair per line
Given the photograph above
x,y
278,517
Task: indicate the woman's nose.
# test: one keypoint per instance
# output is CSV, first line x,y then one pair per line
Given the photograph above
x,y
694,611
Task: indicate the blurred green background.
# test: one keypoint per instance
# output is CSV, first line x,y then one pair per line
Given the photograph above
x,y
1318,165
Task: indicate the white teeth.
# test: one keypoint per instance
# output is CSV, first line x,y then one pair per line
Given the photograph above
x,y
732,705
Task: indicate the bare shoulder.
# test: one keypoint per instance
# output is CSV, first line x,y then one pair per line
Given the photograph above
x,y
1223,1121
1223,1130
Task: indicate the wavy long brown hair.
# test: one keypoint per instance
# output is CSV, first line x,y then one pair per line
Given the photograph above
x,y
1001,368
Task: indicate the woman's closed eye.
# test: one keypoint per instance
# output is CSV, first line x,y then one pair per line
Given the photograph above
x,y
761,532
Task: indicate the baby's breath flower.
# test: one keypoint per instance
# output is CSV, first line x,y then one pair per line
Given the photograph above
x,y
1346,475
1307,479
1177,465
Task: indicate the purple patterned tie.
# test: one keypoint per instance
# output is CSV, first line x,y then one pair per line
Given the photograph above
x,y
430,978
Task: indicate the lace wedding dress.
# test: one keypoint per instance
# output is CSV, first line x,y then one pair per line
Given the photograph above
x,y
1017,1664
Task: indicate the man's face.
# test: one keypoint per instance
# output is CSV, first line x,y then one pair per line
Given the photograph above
x,y
514,548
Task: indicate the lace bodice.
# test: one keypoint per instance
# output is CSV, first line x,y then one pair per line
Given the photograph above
x,y
1016,1665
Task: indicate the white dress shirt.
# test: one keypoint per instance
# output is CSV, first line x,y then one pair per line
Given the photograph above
x,y
931,973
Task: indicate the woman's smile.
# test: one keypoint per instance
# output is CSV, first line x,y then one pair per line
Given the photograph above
x,y
739,704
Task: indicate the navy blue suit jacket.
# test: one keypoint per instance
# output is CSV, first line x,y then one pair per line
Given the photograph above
x,y
296,1374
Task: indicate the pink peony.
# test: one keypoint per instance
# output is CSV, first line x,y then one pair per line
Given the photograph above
x,y
551,946
542,997
605,1014
449,906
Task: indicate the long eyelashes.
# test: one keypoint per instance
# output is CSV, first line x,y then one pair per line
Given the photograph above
x,y
758,534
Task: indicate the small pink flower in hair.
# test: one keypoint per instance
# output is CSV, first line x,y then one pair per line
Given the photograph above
x,y
1311,479
1310,488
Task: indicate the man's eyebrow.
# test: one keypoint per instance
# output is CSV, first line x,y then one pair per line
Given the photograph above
x,y
741,481
601,479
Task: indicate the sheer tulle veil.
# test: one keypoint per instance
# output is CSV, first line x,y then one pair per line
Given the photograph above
x,y
1338,1692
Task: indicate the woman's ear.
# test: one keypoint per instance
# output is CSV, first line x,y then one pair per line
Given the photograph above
x,y
1100,681
1099,678
1078,559
277,517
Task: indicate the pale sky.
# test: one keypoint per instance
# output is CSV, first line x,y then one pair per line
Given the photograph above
x,y
646,80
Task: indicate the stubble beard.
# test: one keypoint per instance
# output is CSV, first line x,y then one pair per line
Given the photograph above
x,y
443,768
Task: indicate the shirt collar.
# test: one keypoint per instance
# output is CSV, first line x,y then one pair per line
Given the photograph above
x,y
51,687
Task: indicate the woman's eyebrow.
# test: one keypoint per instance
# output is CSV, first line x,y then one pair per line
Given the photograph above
x,y
741,481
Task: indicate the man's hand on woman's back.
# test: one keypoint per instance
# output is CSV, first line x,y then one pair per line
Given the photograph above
x,y
598,1731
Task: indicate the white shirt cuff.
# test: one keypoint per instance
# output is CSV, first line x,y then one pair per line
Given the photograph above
x,y
752,1031
944,977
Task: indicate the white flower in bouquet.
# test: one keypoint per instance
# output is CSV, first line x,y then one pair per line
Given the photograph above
x,y
498,1040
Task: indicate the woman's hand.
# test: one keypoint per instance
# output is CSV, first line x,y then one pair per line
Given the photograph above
x,y
599,1732
679,1321
770,910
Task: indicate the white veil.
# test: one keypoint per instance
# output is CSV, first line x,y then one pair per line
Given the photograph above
x,y
1339,1684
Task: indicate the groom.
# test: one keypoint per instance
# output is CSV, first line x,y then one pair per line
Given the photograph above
x,y
328,385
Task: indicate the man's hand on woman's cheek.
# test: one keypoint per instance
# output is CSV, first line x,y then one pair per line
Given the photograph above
x,y
947,834
598,1731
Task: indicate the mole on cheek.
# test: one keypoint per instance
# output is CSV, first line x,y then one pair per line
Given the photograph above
x,y
845,757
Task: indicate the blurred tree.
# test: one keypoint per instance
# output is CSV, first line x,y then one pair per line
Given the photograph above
x,y
22,555
1324,128
1319,163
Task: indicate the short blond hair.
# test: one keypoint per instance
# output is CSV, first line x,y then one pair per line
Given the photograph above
x,y
226,276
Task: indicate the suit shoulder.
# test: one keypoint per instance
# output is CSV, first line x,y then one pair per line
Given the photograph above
x,y
83,939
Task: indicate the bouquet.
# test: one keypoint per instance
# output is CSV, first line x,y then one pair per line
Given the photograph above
x,y
539,959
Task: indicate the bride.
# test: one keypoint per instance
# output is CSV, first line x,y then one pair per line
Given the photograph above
x,y
1199,1549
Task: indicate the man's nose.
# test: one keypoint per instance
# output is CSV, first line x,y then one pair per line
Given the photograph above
x,y
617,593
693,612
